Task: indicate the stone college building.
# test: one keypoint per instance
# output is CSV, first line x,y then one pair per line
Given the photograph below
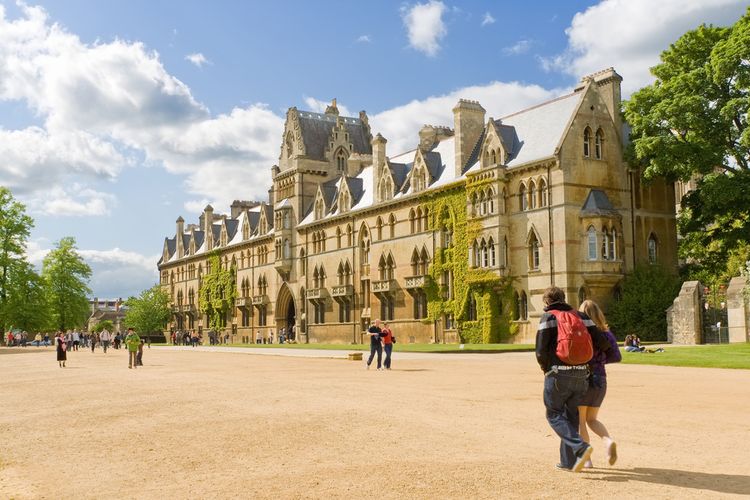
x,y
452,241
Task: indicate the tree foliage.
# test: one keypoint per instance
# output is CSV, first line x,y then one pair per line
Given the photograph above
x,y
692,122
148,312
15,227
104,324
66,277
26,306
646,294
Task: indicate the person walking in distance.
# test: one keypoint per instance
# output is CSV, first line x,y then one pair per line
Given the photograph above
x,y
132,341
92,340
62,353
375,334
564,346
105,338
388,341
588,411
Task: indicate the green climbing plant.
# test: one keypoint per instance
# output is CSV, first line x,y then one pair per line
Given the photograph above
x,y
217,292
491,292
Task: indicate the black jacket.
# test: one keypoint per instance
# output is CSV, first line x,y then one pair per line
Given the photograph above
x,y
546,336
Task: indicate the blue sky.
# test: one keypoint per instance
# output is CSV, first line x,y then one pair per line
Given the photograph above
x,y
116,117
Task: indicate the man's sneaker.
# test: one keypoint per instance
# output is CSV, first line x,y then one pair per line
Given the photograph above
x,y
367,367
583,458
560,467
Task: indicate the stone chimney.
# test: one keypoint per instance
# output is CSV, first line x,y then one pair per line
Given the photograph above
x,y
239,206
379,159
178,237
468,122
208,222
332,109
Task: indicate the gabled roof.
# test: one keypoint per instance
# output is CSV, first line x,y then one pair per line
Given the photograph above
x,y
474,156
541,128
317,128
399,172
232,225
185,241
597,204
329,190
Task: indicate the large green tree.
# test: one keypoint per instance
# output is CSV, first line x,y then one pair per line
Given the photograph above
x,y
66,277
149,312
15,227
27,306
692,122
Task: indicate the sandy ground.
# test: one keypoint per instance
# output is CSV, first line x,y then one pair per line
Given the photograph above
x,y
196,424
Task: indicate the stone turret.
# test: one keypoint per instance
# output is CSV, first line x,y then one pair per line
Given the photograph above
x,y
208,222
178,237
468,123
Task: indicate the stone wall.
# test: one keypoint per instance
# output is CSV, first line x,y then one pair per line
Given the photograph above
x,y
738,311
684,317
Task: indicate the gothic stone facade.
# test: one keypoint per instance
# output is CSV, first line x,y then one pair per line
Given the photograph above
x,y
346,235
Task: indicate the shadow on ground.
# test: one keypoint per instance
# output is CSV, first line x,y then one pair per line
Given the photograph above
x,y
720,483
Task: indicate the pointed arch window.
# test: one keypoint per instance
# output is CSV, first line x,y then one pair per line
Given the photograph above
x,y
605,244
491,200
364,248
587,142
379,228
613,245
341,158
392,225
533,251
491,250
471,308
543,195
349,236
591,243
319,209
598,144
532,195
412,221
653,248
522,198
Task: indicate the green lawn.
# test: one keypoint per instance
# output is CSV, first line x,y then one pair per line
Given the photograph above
x,y
704,356
447,348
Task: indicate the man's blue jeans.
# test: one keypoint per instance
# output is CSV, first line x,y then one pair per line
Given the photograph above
x,y
563,392
373,349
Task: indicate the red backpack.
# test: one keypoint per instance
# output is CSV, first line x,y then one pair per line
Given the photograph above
x,y
574,346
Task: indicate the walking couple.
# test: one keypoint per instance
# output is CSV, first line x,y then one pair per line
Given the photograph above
x,y
572,348
380,339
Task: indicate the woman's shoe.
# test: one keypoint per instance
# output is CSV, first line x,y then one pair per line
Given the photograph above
x,y
612,452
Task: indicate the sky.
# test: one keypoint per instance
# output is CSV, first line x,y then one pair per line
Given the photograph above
x,y
118,117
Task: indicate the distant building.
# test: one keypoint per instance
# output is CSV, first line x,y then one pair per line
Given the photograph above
x,y
103,310
349,233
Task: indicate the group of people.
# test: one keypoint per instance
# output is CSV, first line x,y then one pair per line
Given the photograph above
x,y
572,349
21,339
381,339
66,342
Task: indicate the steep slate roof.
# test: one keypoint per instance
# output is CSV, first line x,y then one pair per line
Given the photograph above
x,y
317,128
474,156
597,203
355,188
232,225
185,240
540,128
434,164
329,190
399,171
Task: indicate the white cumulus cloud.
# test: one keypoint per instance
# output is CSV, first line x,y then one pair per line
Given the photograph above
x,y
319,106
364,39
425,26
109,106
487,19
631,34
75,200
197,59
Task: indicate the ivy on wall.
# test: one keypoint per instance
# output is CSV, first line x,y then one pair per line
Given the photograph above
x,y
491,292
217,292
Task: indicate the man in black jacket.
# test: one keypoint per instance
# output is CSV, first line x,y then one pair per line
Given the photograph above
x,y
564,385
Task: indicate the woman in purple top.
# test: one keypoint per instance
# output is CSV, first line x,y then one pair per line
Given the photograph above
x,y
592,401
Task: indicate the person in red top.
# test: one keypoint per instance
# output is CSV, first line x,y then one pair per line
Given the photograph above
x,y
387,337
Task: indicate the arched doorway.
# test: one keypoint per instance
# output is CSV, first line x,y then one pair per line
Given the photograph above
x,y
286,312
